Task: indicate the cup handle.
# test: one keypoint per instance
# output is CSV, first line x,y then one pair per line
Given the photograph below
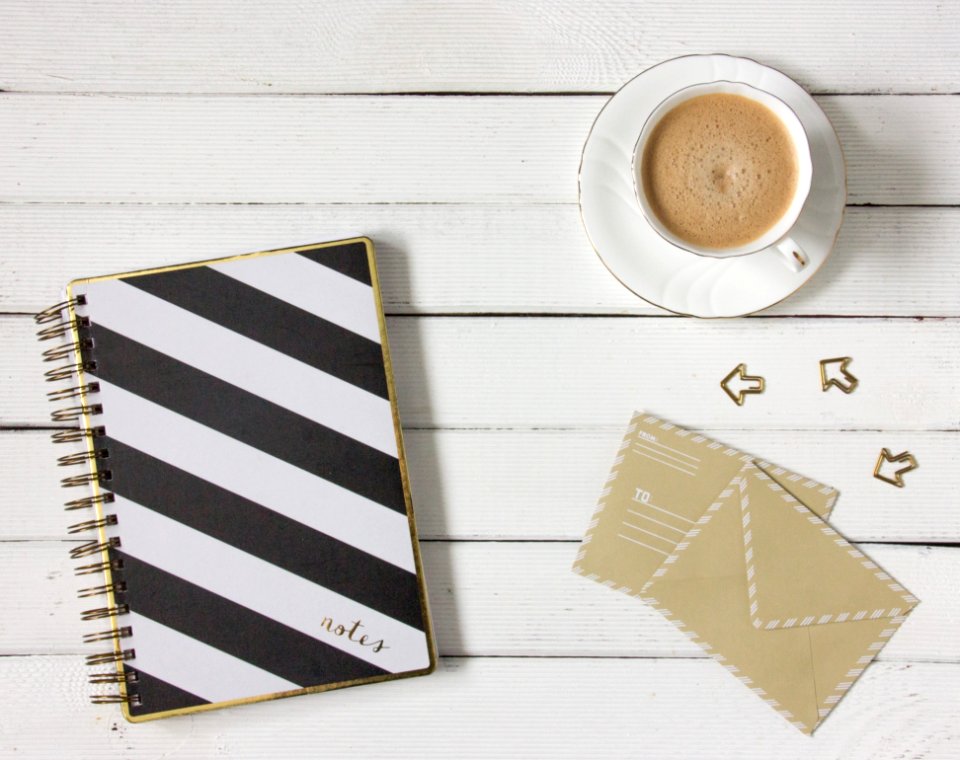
x,y
793,255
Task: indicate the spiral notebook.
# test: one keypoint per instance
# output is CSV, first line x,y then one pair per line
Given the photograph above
x,y
249,504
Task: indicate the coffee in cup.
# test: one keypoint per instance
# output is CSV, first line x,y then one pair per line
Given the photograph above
x,y
723,169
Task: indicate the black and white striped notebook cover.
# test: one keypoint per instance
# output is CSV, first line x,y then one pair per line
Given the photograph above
x,y
243,432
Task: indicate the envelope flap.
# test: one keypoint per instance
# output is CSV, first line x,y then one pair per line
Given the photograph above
x,y
800,571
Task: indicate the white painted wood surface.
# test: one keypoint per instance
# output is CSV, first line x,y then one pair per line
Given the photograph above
x,y
390,149
136,134
548,480
500,599
500,707
495,45
561,372
438,258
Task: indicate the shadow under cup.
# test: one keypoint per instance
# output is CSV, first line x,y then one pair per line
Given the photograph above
x,y
778,235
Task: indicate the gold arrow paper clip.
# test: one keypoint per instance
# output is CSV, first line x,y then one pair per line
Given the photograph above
x,y
897,479
846,382
741,370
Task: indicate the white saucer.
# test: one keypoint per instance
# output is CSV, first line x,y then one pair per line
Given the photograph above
x,y
671,277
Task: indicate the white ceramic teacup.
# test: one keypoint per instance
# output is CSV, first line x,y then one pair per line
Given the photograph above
x,y
778,236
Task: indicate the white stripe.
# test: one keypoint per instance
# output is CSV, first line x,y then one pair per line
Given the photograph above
x,y
666,540
668,448
245,363
660,461
668,456
645,546
312,287
647,517
256,476
272,591
196,667
665,511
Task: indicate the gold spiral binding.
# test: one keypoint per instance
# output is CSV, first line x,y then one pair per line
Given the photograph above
x,y
94,547
100,567
66,350
88,501
68,371
83,527
56,311
124,632
127,676
86,479
106,588
62,328
73,435
104,612
75,392
74,413
102,658
130,698
80,457
58,322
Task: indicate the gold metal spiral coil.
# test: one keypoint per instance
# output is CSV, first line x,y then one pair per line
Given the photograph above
x,y
77,391
105,612
74,413
126,676
75,435
99,567
107,588
129,698
55,312
87,525
86,479
80,457
68,371
67,350
94,547
115,634
101,658
88,501
62,328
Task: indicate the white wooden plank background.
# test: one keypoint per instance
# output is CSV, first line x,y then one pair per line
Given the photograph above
x,y
580,371
500,599
230,149
438,258
501,707
129,136
547,481
496,45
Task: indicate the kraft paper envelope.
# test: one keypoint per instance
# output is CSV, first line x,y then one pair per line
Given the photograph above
x,y
735,552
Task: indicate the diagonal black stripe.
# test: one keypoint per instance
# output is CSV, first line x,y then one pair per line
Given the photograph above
x,y
256,530
157,695
248,418
239,631
349,259
272,322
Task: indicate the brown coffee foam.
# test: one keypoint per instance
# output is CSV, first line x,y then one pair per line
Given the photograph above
x,y
719,170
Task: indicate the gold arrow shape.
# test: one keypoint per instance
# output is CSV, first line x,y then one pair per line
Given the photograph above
x,y
741,371
897,479
847,382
